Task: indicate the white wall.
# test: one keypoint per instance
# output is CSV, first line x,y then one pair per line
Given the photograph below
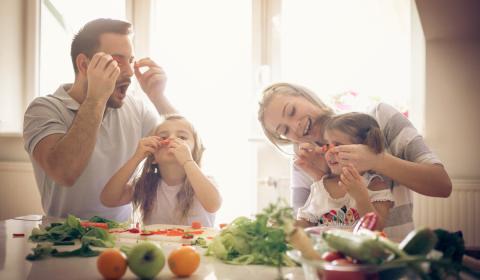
x,y
11,65
452,108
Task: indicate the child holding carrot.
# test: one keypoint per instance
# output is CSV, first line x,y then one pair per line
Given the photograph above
x,y
172,189
345,194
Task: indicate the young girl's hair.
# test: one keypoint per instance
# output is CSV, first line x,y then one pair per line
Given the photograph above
x,y
288,90
145,186
362,128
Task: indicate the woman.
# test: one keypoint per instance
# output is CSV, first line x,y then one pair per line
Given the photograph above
x,y
291,114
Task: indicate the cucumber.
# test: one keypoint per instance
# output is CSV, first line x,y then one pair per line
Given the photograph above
x,y
419,242
361,247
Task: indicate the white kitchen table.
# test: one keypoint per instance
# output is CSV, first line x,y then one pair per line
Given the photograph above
x,y
13,264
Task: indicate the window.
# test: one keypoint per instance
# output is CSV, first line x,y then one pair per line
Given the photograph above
x,y
205,49
60,21
352,51
218,55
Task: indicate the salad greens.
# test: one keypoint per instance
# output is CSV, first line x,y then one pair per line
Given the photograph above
x,y
45,249
65,233
258,241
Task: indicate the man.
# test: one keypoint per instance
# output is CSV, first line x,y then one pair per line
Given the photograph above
x,y
78,137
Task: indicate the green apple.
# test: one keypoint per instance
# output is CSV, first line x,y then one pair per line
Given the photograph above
x,y
146,260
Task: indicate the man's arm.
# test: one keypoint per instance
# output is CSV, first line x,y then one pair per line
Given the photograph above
x,y
153,83
65,156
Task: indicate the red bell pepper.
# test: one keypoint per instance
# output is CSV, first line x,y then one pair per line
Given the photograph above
x,y
92,224
368,221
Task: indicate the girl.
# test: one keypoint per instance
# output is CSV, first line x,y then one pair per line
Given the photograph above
x,y
171,188
343,196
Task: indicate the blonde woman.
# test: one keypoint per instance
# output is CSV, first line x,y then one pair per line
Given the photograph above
x,y
291,114
172,189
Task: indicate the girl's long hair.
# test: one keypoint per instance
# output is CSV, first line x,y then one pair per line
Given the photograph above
x,y
362,128
146,185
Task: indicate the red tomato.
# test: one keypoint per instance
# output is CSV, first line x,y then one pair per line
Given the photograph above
x,y
331,256
196,225
342,261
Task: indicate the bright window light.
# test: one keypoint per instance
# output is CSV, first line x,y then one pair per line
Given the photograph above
x,y
205,49
60,20
349,45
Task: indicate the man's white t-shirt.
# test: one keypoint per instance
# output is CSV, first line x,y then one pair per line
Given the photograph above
x,y
117,140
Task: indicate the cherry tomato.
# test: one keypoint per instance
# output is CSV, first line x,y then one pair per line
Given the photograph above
x,y
341,261
331,256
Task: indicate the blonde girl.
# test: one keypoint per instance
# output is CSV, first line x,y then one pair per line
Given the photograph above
x,y
345,194
171,188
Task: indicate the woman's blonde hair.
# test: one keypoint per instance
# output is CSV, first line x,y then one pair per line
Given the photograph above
x,y
362,129
289,90
145,186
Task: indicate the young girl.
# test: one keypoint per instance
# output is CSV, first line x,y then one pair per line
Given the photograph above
x,y
171,188
344,195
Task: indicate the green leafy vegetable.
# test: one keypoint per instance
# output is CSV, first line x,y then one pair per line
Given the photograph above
x,y
64,234
258,241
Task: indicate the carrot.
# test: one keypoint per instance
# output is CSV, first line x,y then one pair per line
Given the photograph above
x,y
300,241
196,225
92,224
222,225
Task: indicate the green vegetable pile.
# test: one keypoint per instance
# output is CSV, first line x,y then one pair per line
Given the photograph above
x,y
258,241
65,233
441,249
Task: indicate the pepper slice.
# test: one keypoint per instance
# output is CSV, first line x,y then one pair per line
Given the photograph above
x,y
368,221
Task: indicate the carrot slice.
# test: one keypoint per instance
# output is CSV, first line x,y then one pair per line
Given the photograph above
x,y
196,225
92,224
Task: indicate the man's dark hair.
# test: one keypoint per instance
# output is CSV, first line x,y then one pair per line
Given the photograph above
x,y
87,41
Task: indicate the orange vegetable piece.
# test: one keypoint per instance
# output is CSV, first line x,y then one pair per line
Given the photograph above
x,y
112,264
184,261
196,225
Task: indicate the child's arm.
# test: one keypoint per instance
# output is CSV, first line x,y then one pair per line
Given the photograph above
x,y
205,190
117,191
352,181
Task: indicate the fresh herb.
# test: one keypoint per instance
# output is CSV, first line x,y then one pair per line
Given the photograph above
x,y
258,241
200,241
45,249
64,234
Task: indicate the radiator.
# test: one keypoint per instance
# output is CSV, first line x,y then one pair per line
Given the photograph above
x,y
460,211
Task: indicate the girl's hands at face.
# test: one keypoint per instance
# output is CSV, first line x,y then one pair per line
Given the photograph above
x,y
147,146
353,183
180,149
311,159
358,155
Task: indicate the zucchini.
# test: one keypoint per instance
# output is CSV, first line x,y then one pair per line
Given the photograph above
x,y
358,246
419,242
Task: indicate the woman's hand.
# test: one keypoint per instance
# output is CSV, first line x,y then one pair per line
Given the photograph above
x,y
353,183
180,150
311,159
147,146
358,155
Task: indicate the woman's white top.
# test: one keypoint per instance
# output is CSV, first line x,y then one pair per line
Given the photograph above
x,y
164,211
322,209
